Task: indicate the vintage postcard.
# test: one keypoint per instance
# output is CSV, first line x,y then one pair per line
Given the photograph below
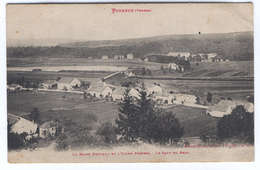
x,y
108,83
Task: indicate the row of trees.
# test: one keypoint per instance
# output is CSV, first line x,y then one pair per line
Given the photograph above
x,y
24,82
238,46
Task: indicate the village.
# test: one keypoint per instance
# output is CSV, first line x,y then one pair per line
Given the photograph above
x,y
103,91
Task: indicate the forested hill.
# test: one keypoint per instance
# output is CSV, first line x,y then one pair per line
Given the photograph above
x,y
233,46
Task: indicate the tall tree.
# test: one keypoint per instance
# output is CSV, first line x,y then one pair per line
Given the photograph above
x,y
35,116
147,117
209,97
167,128
128,119
239,124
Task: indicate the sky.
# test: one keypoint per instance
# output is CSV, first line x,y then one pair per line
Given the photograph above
x,y
98,22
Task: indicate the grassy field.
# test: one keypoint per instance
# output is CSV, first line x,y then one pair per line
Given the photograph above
x,y
13,76
59,105
51,62
195,120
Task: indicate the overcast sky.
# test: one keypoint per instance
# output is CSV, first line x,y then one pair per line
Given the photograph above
x,y
97,22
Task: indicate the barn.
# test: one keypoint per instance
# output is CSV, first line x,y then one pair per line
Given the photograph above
x,y
67,83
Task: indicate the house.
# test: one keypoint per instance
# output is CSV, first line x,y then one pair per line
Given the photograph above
x,y
67,83
118,93
14,87
185,99
20,125
212,56
146,59
153,88
129,73
99,89
165,98
48,129
104,57
173,66
225,107
130,56
179,54
48,84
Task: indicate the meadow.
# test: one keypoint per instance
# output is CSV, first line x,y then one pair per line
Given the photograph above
x,y
60,105
55,62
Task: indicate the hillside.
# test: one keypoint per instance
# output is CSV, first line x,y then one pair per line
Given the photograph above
x,y
234,46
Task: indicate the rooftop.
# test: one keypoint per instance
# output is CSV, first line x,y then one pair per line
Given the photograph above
x,y
66,80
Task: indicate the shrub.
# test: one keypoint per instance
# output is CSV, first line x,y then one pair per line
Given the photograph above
x,y
239,124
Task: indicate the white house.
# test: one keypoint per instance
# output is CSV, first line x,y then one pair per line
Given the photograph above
x,y
225,107
180,54
165,98
173,66
14,87
212,55
130,56
129,73
146,59
153,88
47,84
48,129
68,83
185,98
104,57
20,125
100,90
118,93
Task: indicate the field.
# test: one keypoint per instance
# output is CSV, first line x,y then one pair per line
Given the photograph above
x,y
59,105
13,76
56,106
195,121
52,62
213,69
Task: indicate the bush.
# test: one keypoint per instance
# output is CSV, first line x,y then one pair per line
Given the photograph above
x,y
108,133
238,125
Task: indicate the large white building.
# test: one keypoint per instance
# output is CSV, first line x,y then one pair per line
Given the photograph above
x,y
20,125
99,89
225,107
130,56
67,83
185,98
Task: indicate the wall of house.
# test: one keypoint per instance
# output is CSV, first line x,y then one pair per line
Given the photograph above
x,y
216,113
62,85
45,132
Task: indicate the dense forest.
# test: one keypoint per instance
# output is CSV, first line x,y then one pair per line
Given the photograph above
x,y
232,46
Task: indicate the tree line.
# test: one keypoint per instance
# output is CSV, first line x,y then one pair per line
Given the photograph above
x,y
237,47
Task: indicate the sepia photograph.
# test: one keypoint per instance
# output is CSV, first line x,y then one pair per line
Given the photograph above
x,y
130,82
